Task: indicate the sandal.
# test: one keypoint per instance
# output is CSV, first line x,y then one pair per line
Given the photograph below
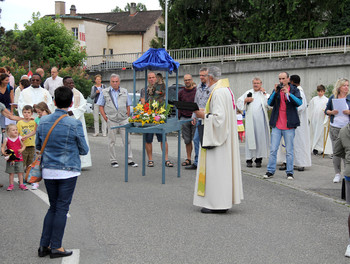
x,y
150,163
186,162
168,163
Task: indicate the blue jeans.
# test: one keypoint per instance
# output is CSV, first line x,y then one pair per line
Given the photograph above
x,y
60,194
196,143
276,136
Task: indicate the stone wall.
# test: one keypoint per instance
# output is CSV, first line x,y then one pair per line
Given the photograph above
x,y
313,70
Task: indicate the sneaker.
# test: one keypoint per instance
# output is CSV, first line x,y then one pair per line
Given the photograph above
x,y
10,188
115,164
105,135
290,176
95,135
35,186
315,151
337,178
268,175
133,164
347,252
23,187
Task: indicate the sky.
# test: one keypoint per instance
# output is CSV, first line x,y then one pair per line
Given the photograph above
x,y
20,11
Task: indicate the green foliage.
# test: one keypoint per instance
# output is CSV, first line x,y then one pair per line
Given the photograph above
x,y
42,41
81,79
16,70
328,93
139,7
339,23
117,9
198,23
157,42
194,23
89,120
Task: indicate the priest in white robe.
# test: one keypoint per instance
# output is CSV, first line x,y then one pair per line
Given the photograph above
x,y
257,130
302,148
77,111
218,180
318,129
34,94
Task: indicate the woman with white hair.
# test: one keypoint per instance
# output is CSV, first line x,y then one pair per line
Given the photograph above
x,y
338,119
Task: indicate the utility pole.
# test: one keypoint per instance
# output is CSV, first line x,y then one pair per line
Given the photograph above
x,y
166,25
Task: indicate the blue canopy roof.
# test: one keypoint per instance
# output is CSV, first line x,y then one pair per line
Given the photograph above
x,y
156,59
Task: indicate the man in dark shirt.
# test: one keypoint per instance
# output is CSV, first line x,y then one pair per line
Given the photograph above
x,y
187,95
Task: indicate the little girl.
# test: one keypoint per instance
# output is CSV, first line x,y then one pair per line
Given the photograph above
x,y
240,126
41,109
14,142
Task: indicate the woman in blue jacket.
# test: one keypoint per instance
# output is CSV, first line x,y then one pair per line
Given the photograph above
x,y
60,169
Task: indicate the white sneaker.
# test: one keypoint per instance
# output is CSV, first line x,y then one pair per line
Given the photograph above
x,y
115,164
337,178
347,252
35,186
95,135
133,164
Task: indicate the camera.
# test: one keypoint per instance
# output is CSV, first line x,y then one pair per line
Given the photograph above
x,y
279,87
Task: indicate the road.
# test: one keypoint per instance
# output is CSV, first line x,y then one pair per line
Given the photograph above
x,y
143,221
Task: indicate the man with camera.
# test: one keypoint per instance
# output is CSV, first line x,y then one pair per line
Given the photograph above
x,y
284,119
254,102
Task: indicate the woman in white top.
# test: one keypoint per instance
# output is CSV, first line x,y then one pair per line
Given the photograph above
x,y
339,118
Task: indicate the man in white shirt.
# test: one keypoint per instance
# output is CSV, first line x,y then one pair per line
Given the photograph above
x,y
34,94
53,82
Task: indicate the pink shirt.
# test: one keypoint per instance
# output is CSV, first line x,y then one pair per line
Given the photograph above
x,y
282,114
15,145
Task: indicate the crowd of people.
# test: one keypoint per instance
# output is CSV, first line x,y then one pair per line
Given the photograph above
x,y
281,127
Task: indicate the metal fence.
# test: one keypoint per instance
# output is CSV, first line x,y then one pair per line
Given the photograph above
x,y
287,48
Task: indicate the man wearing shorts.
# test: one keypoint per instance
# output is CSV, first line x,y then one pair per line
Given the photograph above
x,y
152,79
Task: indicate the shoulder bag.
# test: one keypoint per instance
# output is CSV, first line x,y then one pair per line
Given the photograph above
x,y
33,172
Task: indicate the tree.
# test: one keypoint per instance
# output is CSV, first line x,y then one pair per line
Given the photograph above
x,y
198,23
193,23
339,22
117,9
43,40
139,7
271,20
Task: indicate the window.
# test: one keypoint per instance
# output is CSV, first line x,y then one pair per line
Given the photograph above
x,y
110,51
104,51
75,32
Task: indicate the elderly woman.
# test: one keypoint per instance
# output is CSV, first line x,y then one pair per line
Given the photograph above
x,y
337,121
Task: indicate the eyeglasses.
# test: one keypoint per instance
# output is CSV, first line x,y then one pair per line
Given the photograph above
x,y
35,80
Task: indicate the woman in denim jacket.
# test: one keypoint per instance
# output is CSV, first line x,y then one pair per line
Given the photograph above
x,y
60,169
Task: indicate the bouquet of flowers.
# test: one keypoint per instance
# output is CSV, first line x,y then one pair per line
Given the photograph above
x,y
150,113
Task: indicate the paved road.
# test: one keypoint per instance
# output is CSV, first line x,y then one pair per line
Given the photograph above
x,y
143,221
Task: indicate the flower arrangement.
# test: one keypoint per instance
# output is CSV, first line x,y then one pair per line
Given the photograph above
x,y
150,113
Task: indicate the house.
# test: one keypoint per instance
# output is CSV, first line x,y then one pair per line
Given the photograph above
x,y
112,32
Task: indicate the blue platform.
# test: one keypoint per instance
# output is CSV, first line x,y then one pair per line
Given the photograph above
x,y
155,60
